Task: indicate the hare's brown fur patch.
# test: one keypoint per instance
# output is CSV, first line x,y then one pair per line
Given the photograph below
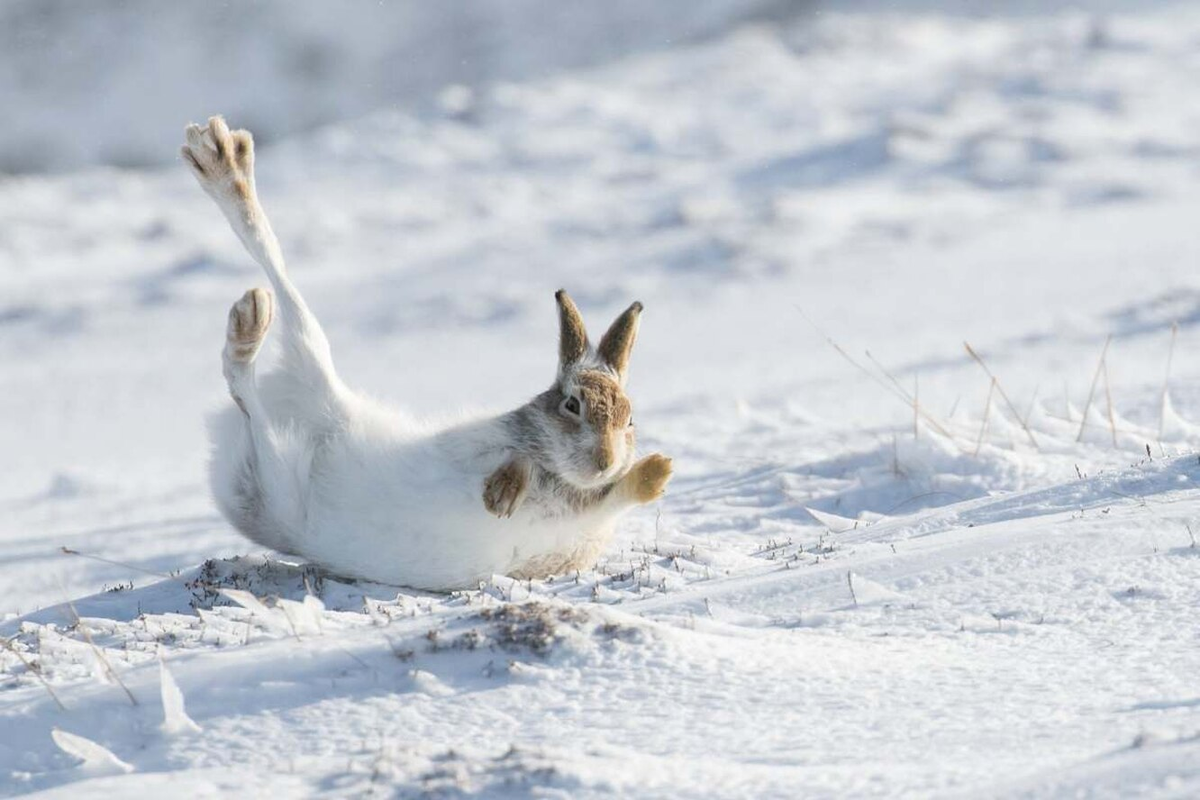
x,y
607,407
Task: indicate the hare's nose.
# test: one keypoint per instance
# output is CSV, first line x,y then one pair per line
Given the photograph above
x,y
604,455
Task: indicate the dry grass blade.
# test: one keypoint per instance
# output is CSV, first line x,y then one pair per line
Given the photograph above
x,y
1162,405
69,552
895,390
903,394
1092,392
1032,405
1112,419
100,657
987,410
178,579
898,390
1003,395
12,648
916,406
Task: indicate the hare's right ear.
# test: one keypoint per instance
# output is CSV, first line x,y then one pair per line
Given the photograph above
x,y
617,342
572,336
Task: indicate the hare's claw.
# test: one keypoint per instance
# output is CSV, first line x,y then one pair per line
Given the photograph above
x,y
505,489
648,479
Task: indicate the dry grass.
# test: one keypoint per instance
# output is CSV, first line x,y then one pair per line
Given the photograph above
x,y
1092,392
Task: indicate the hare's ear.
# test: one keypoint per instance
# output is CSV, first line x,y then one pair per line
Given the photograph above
x,y
617,342
572,336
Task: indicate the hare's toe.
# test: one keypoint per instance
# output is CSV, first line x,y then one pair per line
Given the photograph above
x,y
249,320
648,479
505,488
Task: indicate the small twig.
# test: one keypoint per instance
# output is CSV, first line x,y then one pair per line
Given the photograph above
x,y
850,583
1003,395
1091,392
987,410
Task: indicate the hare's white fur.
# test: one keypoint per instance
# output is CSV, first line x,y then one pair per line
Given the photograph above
x,y
303,465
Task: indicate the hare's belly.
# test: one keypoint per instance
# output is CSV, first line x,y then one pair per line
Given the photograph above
x,y
437,535
577,551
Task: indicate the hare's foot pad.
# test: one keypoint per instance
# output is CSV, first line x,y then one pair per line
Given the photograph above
x,y
221,159
249,320
648,479
505,489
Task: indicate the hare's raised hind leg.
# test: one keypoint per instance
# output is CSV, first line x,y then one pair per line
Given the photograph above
x,y
223,163
270,478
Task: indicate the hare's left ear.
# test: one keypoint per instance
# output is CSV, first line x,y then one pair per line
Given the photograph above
x,y
572,336
617,342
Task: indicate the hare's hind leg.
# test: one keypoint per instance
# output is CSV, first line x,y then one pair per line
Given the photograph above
x,y
261,484
223,163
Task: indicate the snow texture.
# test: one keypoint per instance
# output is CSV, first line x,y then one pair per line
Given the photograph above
x,y
885,567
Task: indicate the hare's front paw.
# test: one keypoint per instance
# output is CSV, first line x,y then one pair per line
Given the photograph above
x,y
249,320
222,160
505,489
648,479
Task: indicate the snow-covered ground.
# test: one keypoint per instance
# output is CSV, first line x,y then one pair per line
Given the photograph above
x,y
993,594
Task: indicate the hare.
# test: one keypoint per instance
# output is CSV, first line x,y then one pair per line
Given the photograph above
x,y
305,466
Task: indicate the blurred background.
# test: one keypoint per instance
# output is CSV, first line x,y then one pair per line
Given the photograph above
x,y
282,66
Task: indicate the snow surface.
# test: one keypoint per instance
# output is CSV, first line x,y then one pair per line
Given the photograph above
x,y
985,599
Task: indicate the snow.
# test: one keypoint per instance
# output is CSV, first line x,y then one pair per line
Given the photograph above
x,y
861,582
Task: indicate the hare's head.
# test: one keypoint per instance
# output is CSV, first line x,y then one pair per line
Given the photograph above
x,y
586,420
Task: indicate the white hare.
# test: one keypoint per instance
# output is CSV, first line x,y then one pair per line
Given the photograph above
x,y
308,467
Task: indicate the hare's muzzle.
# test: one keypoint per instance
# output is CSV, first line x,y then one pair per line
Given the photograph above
x,y
605,454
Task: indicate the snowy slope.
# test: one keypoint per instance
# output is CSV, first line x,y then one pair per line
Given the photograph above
x,y
838,596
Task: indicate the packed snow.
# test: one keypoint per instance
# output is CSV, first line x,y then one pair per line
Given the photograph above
x,y
889,564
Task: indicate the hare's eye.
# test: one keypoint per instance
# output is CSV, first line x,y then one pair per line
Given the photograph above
x,y
572,405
